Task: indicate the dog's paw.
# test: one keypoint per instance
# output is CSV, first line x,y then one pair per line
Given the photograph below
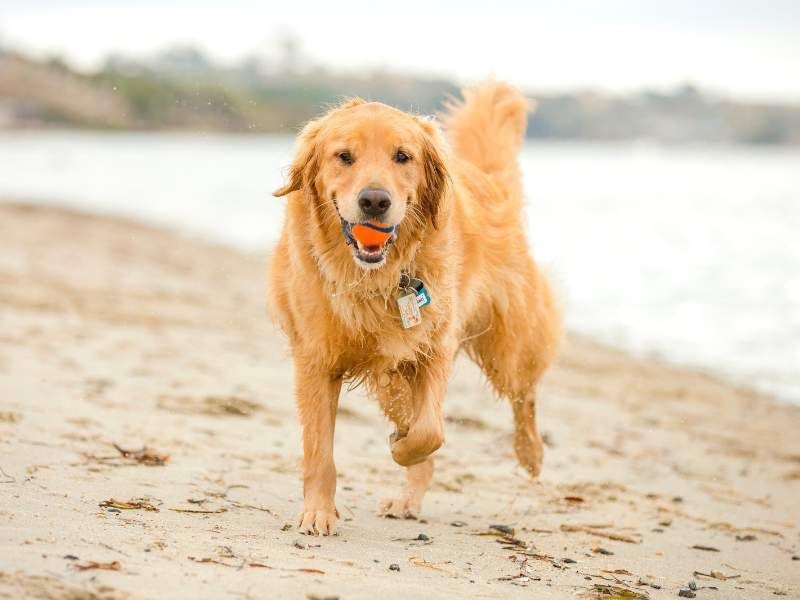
x,y
415,447
318,522
530,451
400,508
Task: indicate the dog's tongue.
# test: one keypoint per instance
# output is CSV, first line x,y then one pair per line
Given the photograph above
x,y
372,234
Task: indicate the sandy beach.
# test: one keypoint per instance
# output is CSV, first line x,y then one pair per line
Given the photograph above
x,y
149,449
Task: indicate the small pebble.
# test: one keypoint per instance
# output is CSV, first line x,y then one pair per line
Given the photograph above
x,y
394,567
70,557
687,594
795,557
299,545
286,527
422,537
693,585
569,560
114,510
458,524
603,551
746,538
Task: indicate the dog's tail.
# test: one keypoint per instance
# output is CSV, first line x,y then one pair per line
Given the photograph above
x,y
487,129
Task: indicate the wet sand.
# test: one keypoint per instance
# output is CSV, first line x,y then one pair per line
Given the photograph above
x,y
116,337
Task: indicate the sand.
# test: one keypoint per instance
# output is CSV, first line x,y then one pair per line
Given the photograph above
x,y
114,333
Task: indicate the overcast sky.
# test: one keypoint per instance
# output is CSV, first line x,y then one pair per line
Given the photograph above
x,y
745,48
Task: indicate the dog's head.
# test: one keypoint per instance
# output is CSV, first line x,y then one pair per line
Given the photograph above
x,y
365,162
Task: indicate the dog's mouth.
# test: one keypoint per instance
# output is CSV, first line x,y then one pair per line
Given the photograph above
x,y
370,240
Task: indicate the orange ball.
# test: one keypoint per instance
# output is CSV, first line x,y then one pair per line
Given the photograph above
x,y
372,233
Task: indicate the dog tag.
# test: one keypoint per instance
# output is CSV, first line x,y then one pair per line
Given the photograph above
x,y
423,295
409,309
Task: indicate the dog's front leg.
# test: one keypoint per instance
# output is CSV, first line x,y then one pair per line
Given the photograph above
x,y
317,403
425,433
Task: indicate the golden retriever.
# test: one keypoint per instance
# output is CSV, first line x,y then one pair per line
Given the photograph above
x,y
446,215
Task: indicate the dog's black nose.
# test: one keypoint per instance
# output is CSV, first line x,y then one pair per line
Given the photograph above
x,y
374,202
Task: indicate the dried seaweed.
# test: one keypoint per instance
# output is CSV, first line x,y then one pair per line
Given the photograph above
x,y
114,565
593,530
129,505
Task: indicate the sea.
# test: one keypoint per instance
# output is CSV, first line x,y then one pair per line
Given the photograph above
x,y
686,254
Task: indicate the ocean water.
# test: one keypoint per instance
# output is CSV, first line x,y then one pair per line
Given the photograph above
x,y
688,254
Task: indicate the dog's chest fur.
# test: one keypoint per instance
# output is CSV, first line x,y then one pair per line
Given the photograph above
x,y
371,338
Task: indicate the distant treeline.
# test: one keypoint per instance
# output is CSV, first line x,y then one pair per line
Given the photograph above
x,y
182,89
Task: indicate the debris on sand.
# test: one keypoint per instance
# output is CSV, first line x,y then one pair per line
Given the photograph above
x,y
394,567
134,504
238,504
260,565
611,535
421,562
512,543
616,571
615,592
603,551
715,575
114,565
522,579
145,456
705,548
254,564
200,511
504,529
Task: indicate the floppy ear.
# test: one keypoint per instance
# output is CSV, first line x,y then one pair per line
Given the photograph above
x,y
432,191
304,166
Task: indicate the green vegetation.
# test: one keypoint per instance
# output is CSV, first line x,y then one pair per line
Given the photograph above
x,y
182,89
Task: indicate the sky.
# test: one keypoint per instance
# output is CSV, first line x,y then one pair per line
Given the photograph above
x,y
746,48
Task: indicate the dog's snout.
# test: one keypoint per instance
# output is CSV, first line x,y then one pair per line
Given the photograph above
x,y
374,202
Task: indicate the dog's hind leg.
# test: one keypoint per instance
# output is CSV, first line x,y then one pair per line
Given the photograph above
x,y
513,351
527,441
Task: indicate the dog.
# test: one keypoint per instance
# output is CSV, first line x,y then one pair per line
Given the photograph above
x,y
445,266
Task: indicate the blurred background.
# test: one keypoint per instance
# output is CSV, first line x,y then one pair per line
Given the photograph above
x,y
662,166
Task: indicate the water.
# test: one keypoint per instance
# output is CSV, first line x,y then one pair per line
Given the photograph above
x,y
689,254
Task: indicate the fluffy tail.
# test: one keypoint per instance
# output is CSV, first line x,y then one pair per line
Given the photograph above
x,y
487,129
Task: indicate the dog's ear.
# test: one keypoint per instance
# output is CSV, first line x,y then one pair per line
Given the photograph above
x,y
433,190
304,166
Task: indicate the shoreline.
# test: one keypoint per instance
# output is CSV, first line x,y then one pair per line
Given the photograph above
x,y
661,357
115,332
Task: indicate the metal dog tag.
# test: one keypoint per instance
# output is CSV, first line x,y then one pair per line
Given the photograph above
x,y
409,309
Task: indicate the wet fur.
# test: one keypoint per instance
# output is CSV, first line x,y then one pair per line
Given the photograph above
x,y
463,236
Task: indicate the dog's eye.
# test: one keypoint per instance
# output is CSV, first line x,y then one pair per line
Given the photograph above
x,y
345,157
401,157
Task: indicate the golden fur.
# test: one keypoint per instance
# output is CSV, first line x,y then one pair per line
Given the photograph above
x,y
460,230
